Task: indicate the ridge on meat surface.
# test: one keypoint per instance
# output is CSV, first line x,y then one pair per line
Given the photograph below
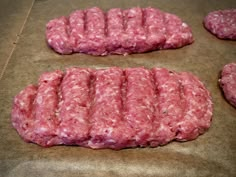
x,y
227,82
222,23
112,108
135,30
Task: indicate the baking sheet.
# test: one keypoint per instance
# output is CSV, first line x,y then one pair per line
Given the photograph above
x,y
212,154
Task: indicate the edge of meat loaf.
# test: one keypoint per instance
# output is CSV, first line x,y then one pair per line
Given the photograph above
x,y
112,108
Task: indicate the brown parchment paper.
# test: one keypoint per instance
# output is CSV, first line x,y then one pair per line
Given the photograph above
x,y
12,18
212,154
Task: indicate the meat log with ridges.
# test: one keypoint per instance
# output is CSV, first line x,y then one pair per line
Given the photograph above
x,y
108,128
77,30
95,32
134,36
169,106
74,106
113,108
115,31
135,30
155,28
45,109
139,103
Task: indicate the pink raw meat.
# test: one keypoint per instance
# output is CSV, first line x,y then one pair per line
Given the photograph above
x,y
74,106
222,23
178,33
58,37
77,30
22,113
155,28
134,30
228,82
45,109
198,108
115,31
169,107
139,104
113,108
109,130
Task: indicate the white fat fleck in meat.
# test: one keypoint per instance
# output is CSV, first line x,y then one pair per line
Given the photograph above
x,y
57,37
110,141
184,25
63,134
41,130
109,131
39,100
22,104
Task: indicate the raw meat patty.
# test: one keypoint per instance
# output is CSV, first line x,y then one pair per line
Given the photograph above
x,y
112,108
222,23
228,82
134,30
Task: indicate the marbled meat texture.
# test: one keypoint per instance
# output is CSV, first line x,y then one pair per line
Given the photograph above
x,y
228,82
74,106
117,31
112,108
222,23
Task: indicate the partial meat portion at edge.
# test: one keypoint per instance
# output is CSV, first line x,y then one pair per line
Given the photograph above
x,y
228,82
222,23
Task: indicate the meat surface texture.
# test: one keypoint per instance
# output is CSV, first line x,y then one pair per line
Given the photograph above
x,y
228,82
135,30
113,108
222,23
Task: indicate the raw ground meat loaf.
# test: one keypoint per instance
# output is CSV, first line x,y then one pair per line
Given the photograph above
x,y
134,30
112,108
228,82
222,23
